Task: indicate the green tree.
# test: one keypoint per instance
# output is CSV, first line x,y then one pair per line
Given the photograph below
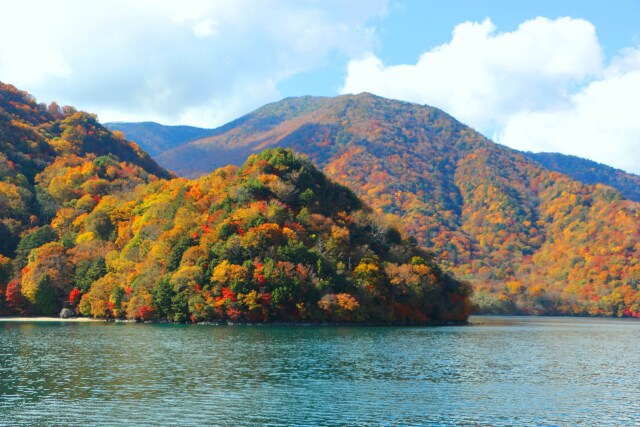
x,y
163,299
31,241
46,297
88,272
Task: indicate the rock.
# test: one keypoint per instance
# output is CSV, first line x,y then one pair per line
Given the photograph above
x,y
65,313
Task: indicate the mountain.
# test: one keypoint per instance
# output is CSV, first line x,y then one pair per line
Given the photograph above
x,y
155,138
590,172
88,223
35,139
33,135
529,239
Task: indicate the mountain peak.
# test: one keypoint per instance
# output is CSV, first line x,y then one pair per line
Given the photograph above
x,y
493,216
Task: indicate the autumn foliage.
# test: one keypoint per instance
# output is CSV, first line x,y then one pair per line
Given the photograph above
x,y
90,224
89,221
491,215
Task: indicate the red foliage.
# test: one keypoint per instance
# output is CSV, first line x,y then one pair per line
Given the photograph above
x,y
74,297
110,307
302,271
233,313
266,298
145,312
14,296
228,294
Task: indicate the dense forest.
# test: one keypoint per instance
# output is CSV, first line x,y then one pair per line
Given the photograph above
x,y
529,239
590,172
89,222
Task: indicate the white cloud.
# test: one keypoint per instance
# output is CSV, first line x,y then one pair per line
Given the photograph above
x,y
205,28
542,87
189,61
600,122
481,75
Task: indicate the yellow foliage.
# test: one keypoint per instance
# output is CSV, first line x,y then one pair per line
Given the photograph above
x,y
78,222
347,302
48,260
289,233
225,273
186,277
64,219
95,303
85,237
366,269
249,300
85,203
514,287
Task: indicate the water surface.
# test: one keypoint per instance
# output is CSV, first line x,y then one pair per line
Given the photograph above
x,y
503,371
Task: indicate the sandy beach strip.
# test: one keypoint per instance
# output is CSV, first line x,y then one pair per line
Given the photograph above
x,y
47,319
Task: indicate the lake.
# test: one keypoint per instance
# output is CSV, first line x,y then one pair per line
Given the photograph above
x,y
503,371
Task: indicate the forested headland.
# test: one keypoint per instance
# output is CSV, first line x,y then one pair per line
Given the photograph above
x,y
88,221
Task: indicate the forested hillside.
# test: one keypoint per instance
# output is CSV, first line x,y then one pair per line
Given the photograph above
x,y
87,223
528,238
590,172
34,138
156,139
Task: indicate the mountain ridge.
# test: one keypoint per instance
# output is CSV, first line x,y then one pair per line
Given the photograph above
x,y
156,137
493,215
590,172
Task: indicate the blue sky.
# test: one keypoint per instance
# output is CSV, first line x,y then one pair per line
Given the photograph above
x,y
537,75
410,27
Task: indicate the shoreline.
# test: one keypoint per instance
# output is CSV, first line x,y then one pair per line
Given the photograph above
x,y
473,320
40,319
43,319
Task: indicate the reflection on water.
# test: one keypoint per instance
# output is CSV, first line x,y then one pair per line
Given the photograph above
x,y
501,371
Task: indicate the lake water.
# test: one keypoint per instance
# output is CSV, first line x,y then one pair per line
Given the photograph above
x,y
505,371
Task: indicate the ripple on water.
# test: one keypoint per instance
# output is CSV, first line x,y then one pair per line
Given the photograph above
x,y
507,371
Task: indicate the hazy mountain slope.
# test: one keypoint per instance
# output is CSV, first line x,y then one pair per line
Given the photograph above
x,y
590,172
521,233
155,138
